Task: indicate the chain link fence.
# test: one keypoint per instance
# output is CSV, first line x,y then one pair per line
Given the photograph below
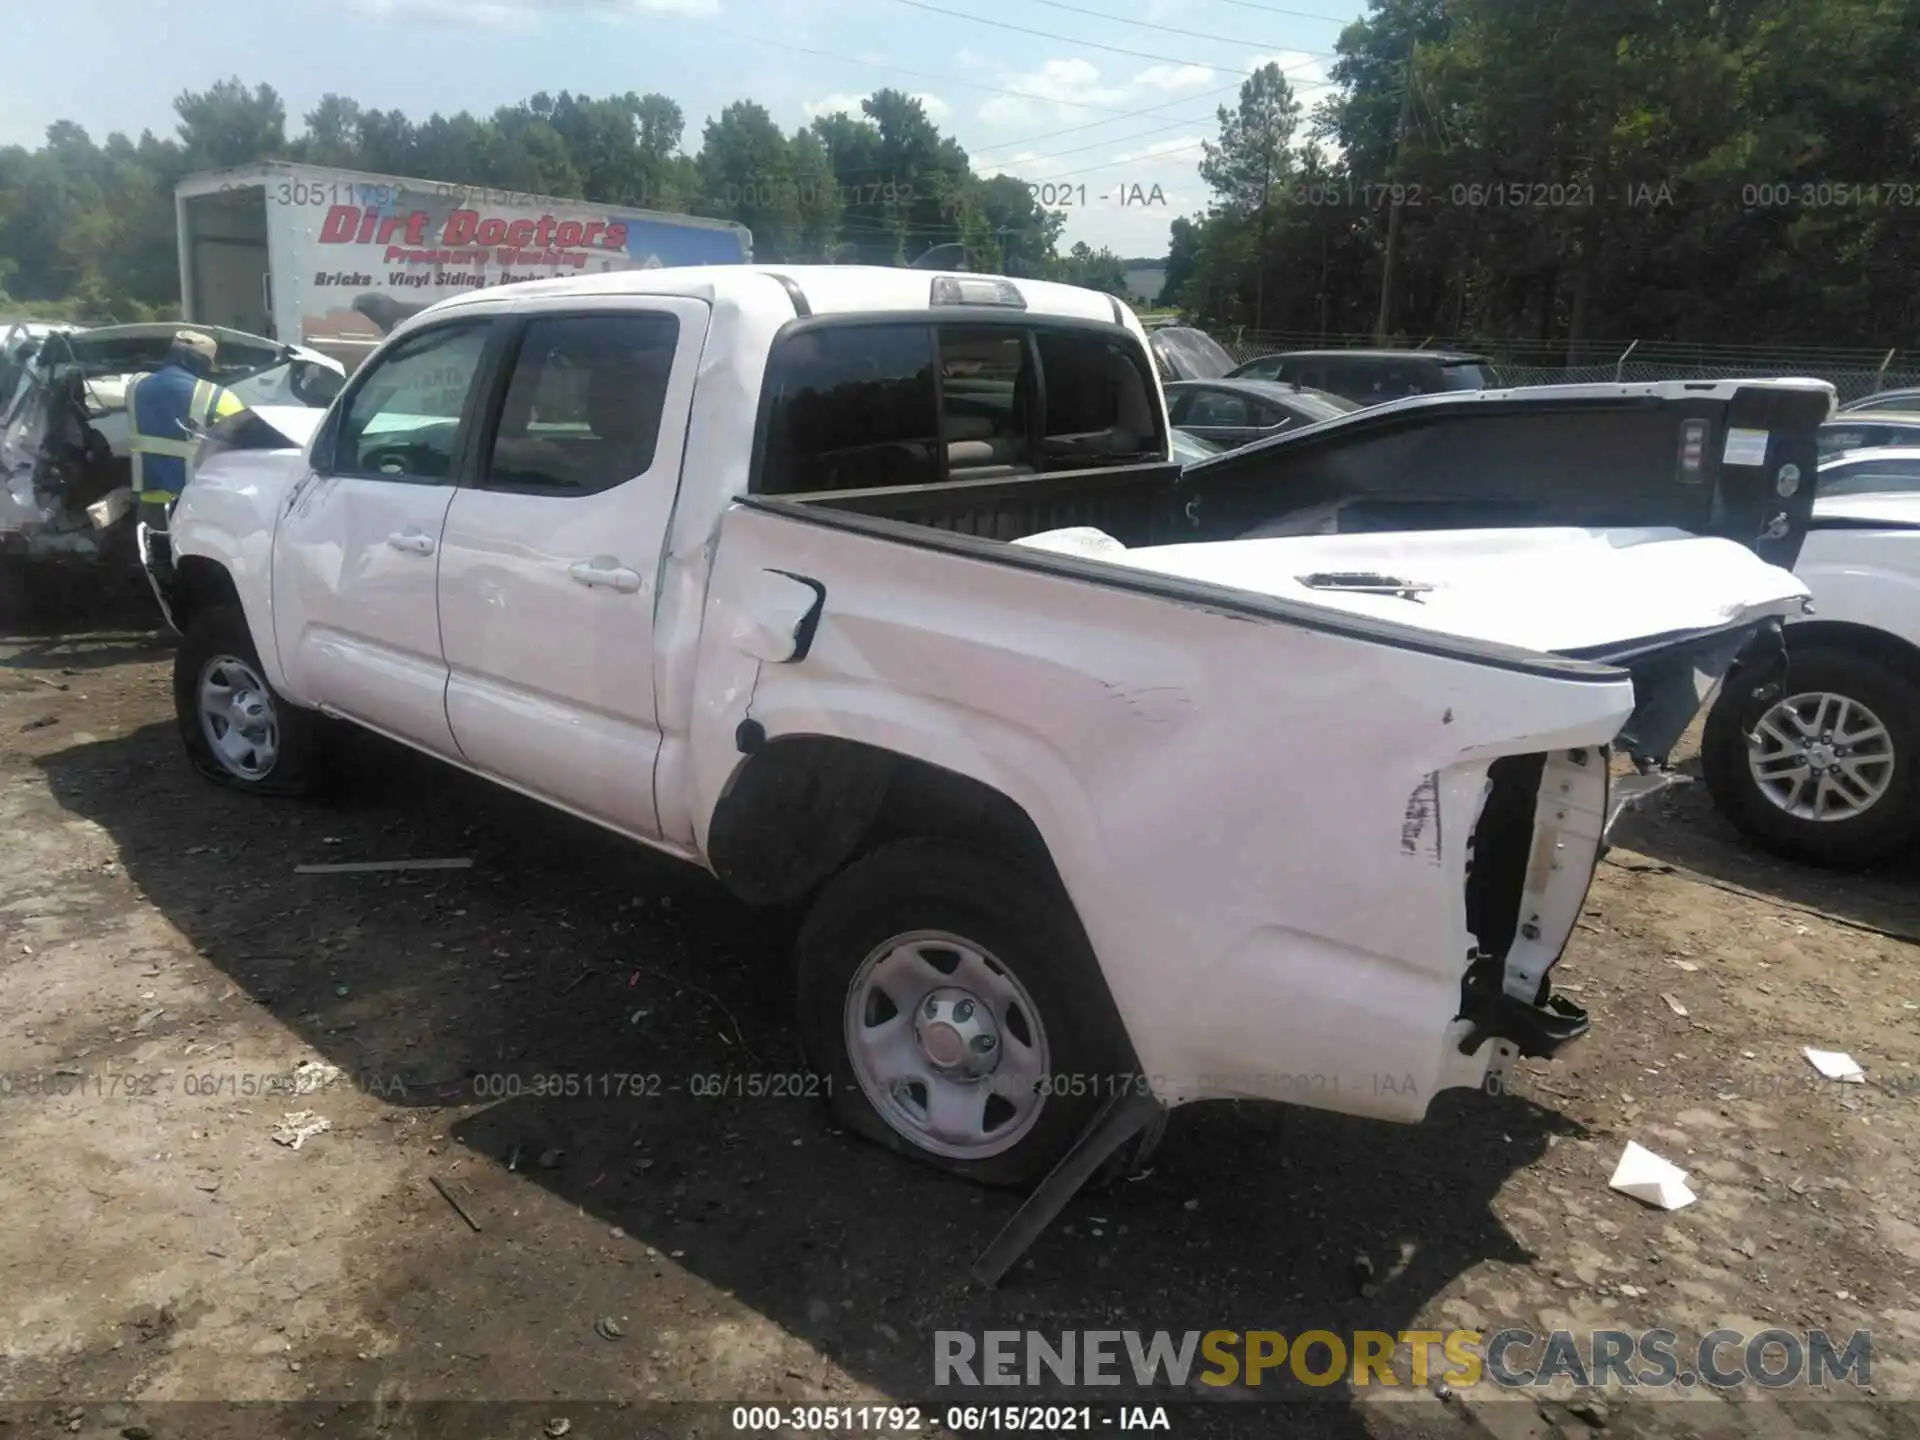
x,y
1853,373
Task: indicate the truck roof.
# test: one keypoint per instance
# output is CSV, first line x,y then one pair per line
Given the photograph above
x,y
802,289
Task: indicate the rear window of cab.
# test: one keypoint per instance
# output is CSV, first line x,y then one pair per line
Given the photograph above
x,y
874,404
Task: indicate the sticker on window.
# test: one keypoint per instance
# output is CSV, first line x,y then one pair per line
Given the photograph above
x,y
1745,447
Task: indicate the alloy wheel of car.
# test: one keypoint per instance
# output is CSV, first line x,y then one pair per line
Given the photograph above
x,y
237,718
947,1044
1821,756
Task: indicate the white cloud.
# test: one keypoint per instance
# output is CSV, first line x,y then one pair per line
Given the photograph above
x,y
1062,88
846,100
832,104
1173,78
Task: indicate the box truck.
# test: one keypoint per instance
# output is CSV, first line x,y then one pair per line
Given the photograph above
x,y
334,259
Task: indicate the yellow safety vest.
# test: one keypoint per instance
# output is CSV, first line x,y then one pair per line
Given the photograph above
x,y
209,404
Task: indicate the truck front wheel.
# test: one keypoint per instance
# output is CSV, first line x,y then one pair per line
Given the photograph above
x,y
236,729
1830,773
953,1006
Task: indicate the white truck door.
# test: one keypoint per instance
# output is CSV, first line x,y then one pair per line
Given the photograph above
x,y
356,554
551,556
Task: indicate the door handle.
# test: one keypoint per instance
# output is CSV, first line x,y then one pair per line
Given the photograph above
x,y
604,570
414,542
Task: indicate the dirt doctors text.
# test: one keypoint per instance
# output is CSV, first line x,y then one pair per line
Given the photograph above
x,y
1509,1359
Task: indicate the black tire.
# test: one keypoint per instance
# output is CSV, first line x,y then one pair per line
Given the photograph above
x,y
1887,826
222,631
1028,925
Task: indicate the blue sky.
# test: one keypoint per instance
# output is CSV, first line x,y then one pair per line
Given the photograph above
x,y
1054,108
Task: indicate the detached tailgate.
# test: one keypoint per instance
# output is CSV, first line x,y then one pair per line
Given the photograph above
x,y
1734,459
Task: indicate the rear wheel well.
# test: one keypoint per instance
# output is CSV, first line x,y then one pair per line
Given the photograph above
x,y
803,807
199,584
1880,645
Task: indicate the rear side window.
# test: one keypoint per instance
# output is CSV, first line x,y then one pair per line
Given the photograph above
x,y
869,406
1217,408
582,411
1871,477
853,408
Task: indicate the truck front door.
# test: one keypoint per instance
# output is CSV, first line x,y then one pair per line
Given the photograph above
x,y
357,553
551,556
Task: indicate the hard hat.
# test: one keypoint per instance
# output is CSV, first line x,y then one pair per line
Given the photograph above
x,y
200,344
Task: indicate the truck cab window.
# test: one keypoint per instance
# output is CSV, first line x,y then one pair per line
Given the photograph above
x,y
853,409
582,411
402,419
986,381
1099,407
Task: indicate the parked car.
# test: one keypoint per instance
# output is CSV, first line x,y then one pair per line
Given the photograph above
x,y
1904,400
1237,412
1829,770
1868,431
1372,377
764,567
1190,449
1182,353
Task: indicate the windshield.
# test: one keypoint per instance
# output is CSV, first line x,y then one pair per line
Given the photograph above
x,y
1186,354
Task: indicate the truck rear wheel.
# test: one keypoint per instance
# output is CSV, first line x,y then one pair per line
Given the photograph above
x,y
954,1007
1830,774
237,730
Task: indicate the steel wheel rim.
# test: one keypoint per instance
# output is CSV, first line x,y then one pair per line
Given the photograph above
x,y
1821,757
963,1083
237,717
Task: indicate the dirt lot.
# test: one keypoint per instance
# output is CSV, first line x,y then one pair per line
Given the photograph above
x,y
161,960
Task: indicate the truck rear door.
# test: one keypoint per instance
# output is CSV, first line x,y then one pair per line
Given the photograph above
x,y
551,555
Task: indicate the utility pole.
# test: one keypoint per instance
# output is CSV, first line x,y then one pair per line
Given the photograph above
x,y
1385,314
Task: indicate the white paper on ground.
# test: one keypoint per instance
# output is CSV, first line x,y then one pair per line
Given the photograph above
x,y
1836,1065
1651,1180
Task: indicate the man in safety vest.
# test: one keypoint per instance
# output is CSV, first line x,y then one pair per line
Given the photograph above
x,y
166,412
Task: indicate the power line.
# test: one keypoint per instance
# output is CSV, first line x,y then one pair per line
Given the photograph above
x,y
1132,160
1113,19
1297,14
1096,124
928,75
1155,109
1070,39
1117,140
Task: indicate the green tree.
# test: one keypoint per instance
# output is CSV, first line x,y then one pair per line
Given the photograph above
x,y
228,124
1252,160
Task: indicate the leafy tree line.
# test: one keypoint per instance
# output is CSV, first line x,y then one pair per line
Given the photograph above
x,y
1733,171
87,229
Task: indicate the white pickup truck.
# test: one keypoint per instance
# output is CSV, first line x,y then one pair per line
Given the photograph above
x,y
877,589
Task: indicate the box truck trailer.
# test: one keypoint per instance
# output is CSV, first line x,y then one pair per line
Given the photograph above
x,y
334,259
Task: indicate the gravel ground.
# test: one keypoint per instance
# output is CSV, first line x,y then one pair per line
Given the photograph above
x,y
633,1242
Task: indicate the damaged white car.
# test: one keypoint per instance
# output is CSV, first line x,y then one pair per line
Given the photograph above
x,y
66,502
1109,787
